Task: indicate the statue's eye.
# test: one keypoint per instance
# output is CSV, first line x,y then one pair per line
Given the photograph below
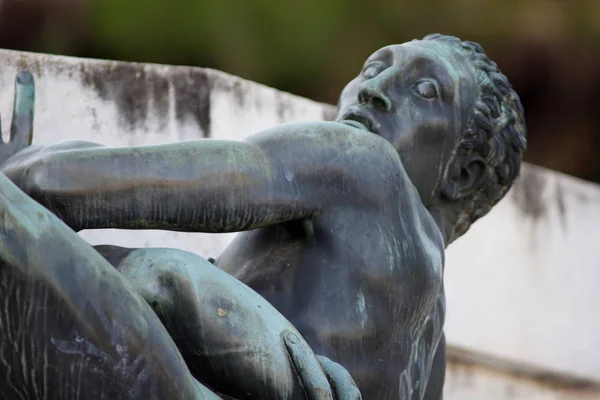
x,y
372,70
426,89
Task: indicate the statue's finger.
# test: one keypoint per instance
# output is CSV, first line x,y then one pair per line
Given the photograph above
x,y
21,127
340,380
308,369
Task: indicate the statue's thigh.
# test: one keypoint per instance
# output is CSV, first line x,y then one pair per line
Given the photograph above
x,y
170,280
225,330
168,276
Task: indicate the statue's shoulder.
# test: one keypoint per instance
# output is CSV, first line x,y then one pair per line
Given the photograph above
x,y
315,131
365,165
325,138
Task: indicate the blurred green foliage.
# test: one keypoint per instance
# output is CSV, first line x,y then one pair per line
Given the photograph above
x,y
310,47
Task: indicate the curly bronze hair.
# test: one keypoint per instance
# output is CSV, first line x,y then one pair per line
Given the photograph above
x,y
495,131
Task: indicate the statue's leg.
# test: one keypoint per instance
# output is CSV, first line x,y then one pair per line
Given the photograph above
x,y
71,327
228,334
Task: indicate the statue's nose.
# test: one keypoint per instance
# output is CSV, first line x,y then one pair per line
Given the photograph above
x,y
372,91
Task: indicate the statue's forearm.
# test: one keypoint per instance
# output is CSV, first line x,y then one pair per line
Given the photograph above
x,y
204,186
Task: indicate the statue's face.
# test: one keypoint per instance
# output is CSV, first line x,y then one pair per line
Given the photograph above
x,y
417,96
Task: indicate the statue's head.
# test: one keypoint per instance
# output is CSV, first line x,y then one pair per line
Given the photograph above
x,y
453,117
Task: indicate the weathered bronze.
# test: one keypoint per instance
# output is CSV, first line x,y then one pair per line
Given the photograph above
x,y
344,226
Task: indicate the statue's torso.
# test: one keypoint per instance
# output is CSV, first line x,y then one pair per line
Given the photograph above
x,y
357,283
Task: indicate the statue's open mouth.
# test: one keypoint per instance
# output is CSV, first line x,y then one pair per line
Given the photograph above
x,y
359,121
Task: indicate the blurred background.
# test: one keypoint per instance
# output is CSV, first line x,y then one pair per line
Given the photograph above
x,y
549,49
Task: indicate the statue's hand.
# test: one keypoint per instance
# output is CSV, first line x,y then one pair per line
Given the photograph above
x,y
321,378
21,127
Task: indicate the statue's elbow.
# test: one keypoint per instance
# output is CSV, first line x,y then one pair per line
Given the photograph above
x,y
44,183
35,178
26,169
22,175
39,180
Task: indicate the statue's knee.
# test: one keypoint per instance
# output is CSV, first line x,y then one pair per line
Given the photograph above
x,y
166,278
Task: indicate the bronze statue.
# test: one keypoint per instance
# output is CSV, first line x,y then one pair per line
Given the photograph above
x,y
344,226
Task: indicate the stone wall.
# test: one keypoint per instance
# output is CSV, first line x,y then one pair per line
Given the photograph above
x,y
522,283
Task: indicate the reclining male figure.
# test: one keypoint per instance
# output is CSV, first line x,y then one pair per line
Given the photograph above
x,y
344,223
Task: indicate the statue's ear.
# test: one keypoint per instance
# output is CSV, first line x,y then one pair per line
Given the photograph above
x,y
465,179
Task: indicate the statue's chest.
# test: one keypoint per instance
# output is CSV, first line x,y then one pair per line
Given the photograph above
x,y
397,273
392,255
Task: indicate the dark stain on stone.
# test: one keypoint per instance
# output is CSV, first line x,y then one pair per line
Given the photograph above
x,y
29,63
527,192
60,67
562,208
123,84
192,96
132,87
160,93
95,123
239,93
283,107
23,63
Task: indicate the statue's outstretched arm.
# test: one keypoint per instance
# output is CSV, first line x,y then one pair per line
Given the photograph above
x,y
207,185
289,172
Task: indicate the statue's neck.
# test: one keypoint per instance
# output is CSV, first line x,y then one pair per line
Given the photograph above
x,y
445,220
